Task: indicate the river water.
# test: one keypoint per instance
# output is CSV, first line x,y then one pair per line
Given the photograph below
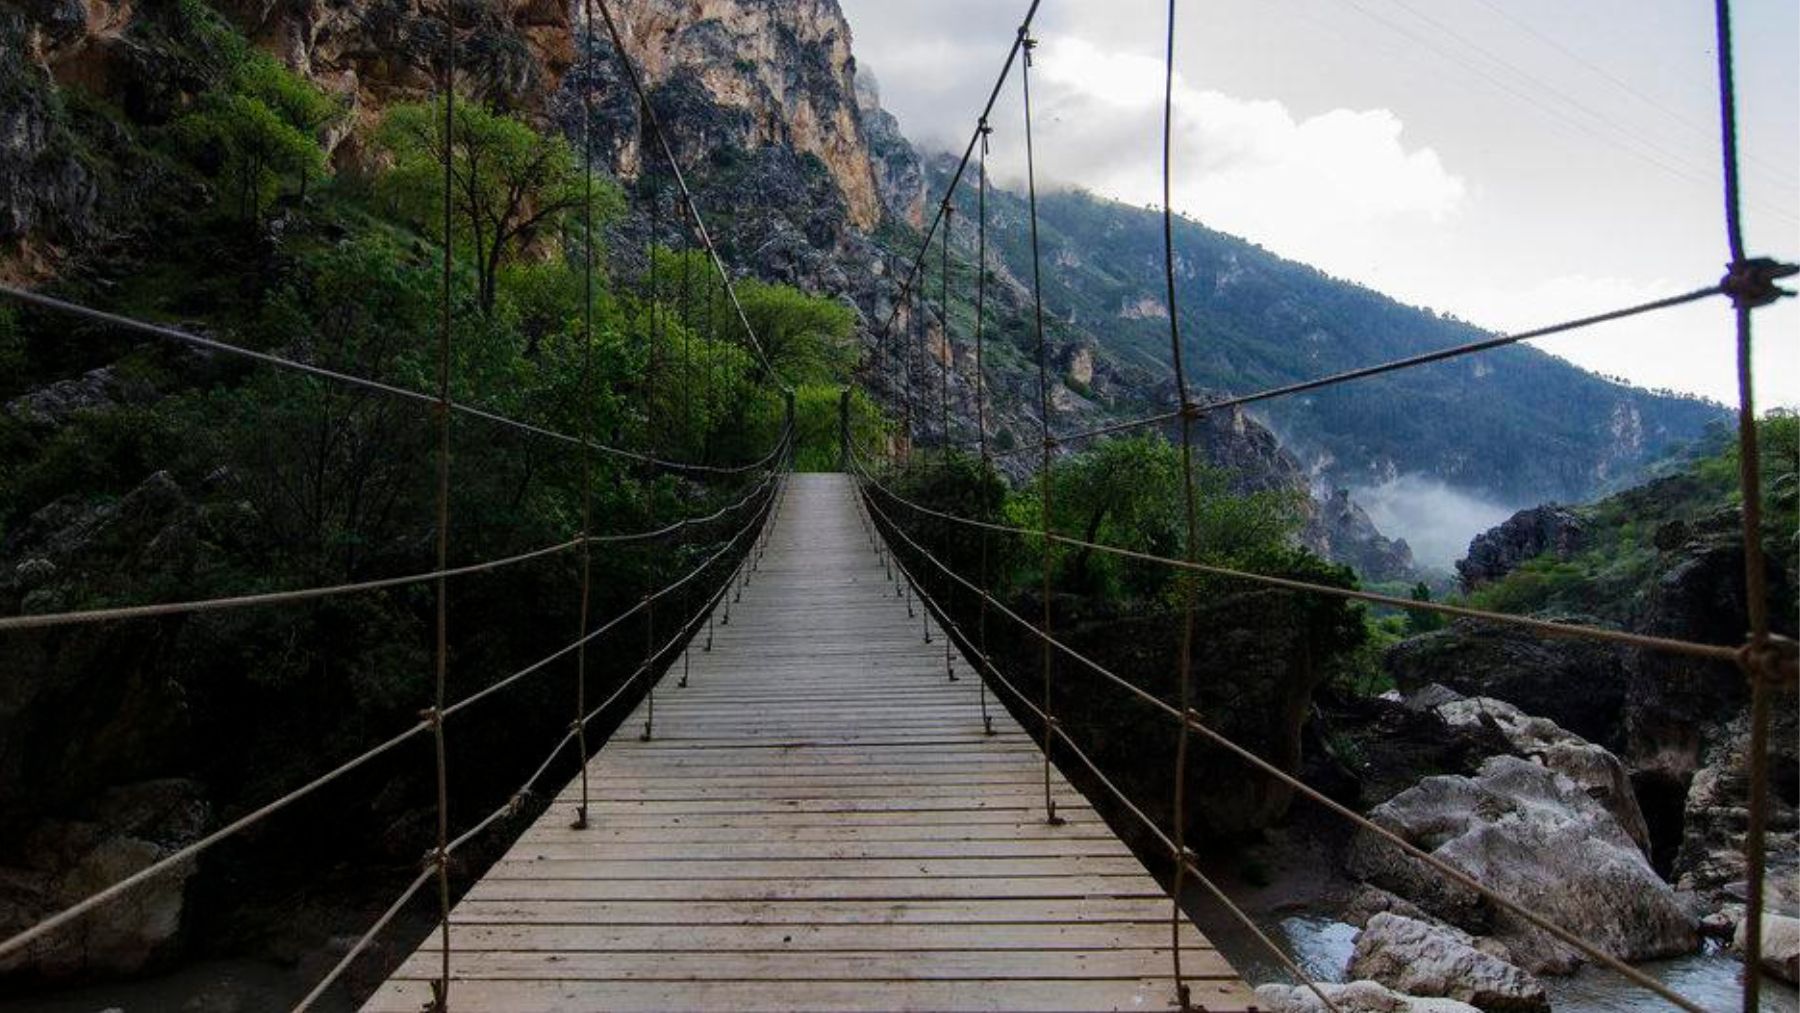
x,y
1322,948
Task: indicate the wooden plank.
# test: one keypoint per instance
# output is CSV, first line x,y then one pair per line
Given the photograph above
x,y
1003,866
787,965
695,854
1059,910
812,997
870,889
815,938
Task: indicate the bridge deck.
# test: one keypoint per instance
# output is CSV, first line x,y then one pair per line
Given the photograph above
x,y
819,824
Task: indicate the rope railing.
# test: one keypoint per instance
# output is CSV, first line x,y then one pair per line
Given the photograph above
x,y
516,801
64,306
1573,631
269,598
185,854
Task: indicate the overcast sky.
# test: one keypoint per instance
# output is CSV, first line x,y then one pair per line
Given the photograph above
x,y
1513,162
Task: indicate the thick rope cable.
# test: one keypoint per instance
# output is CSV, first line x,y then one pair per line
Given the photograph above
x,y
1750,284
1444,868
26,937
188,853
63,306
637,86
962,166
1026,45
104,615
269,598
1191,547
362,942
1568,631
440,858
949,352
511,807
984,131
1395,365
580,821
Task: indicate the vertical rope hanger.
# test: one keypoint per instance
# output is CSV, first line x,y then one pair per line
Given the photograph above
x,y
687,331
949,349
987,463
651,416
587,410
1185,665
1027,45
441,855
1750,283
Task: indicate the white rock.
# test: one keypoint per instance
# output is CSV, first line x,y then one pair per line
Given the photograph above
x,y
1355,997
1533,836
1423,959
1780,945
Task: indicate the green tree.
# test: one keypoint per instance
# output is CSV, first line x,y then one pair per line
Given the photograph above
x,y
1419,620
808,339
510,184
257,129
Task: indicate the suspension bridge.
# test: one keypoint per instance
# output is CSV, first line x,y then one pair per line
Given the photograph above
x,y
809,814
829,796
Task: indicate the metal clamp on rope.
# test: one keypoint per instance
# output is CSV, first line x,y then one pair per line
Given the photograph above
x,y
516,804
1773,661
432,717
1192,410
1751,283
1192,717
436,858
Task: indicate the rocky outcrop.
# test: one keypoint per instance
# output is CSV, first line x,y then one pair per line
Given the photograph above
x,y
1592,769
899,174
64,860
1526,535
782,75
1523,668
1342,531
1716,820
1423,959
1354,997
1535,837
1780,946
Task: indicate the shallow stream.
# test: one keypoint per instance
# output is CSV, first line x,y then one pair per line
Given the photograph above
x,y
1322,948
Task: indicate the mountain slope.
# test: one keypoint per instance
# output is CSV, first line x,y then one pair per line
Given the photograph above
x,y
1514,424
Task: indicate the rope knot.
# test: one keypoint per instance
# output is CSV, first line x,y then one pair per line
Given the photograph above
x,y
1774,660
1751,283
516,805
1192,410
432,717
436,858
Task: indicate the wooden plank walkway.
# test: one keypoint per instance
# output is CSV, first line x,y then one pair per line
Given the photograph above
x,y
819,824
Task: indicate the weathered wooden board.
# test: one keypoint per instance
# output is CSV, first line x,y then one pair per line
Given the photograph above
x,y
820,822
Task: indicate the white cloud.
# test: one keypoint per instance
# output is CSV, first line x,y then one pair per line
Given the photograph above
x,y
1300,185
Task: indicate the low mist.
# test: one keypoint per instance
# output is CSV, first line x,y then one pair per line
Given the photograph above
x,y
1436,519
